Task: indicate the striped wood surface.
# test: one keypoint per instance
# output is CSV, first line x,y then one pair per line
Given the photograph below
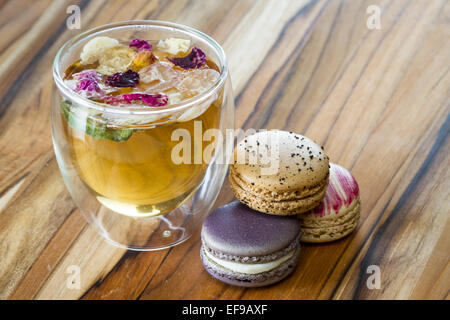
x,y
378,100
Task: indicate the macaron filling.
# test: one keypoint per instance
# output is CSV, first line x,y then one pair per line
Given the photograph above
x,y
267,193
249,268
244,247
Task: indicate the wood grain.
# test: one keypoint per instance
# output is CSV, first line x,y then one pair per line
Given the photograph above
x,y
378,100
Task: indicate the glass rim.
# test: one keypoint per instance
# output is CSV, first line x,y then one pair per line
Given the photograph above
x,y
85,102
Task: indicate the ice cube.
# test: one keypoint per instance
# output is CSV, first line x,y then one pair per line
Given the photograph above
x,y
197,81
132,119
161,71
163,74
174,96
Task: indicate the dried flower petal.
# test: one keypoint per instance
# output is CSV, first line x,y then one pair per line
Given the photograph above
x,y
140,45
88,84
142,59
195,59
157,100
87,74
154,100
88,81
123,79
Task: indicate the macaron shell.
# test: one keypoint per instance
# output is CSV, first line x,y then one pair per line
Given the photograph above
x,y
342,191
253,259
344,216
269,194
237,230
338,213
301,162
327,234
250,280
283,208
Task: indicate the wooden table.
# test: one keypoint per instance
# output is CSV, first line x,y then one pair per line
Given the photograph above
x,y
377,99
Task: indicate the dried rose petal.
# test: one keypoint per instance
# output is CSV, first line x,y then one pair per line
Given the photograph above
x,y
88,81
157,100
88,85
123,79
154,100
140,45
87,74
195,59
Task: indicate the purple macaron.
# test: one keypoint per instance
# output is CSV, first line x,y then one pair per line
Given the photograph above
x,y
243,247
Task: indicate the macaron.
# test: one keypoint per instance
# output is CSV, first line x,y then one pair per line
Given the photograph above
x,y
243,247
279,172
338,213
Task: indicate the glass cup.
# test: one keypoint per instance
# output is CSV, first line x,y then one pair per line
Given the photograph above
x,y
144,178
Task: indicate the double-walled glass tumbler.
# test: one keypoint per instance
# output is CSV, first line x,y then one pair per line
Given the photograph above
x,y
144,178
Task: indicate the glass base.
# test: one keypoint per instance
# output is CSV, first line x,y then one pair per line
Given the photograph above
x,y
147,233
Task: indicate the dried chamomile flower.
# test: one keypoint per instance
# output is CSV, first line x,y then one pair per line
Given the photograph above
x,y
95,47
116,59
174,45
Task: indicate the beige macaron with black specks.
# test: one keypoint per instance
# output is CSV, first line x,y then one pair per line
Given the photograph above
x,y
279,172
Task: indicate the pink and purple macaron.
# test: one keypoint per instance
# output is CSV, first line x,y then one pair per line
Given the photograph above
x,y
243,247
338,213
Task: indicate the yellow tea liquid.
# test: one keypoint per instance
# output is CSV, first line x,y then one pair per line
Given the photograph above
x,y
138,176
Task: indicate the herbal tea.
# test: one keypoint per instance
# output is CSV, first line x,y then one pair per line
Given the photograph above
x,y
126,161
